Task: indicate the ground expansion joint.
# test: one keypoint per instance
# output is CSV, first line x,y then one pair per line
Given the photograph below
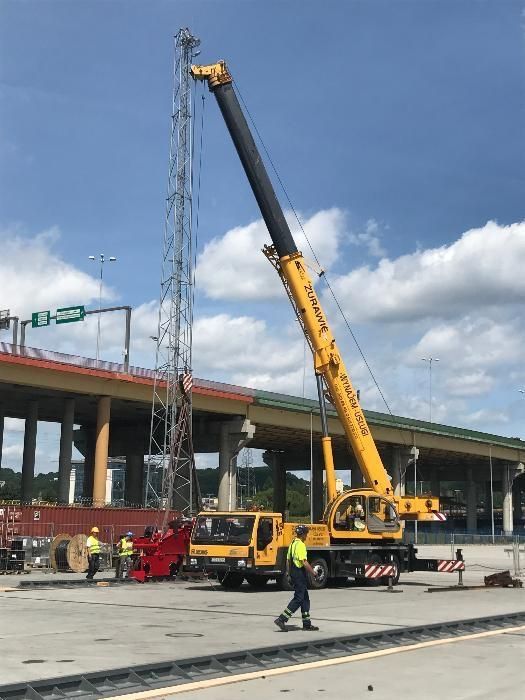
x,y
179,675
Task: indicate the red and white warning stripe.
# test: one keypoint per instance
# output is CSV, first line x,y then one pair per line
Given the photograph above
x,y
379,570
440,517
186,383
448,566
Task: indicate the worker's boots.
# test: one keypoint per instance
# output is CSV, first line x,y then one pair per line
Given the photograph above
x,y
281,623
307,624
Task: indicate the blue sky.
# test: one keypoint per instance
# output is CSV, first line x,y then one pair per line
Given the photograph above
x,y
403,121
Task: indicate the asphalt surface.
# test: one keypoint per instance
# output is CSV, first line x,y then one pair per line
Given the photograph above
x,y
60,631
482,669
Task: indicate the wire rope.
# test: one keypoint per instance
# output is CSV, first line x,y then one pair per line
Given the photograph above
x,y
321,274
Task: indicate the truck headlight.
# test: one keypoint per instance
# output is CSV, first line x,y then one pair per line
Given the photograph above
x,y
241,564
193,562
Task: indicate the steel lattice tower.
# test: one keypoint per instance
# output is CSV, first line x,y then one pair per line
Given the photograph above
x,y
246,486
171,459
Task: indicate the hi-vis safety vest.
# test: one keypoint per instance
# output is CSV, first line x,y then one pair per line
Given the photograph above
x,y
93,544
297,553
126,548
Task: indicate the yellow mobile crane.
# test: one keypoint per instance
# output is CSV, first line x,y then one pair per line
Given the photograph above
x,y
361,533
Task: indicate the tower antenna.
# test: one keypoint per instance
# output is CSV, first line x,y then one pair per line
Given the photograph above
x,y
171,478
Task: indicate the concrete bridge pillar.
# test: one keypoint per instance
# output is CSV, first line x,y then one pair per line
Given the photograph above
x,y
279,483
275,460
234,435
317,492
2,421
66,449
435,483
402,457
89,465
516,500
133,490
101,451
510,472
472,503
28,459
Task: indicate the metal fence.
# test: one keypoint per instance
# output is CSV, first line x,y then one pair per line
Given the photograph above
x,y
37,548
77,360
460,538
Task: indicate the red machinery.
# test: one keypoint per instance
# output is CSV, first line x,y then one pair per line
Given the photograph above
x,y
158,555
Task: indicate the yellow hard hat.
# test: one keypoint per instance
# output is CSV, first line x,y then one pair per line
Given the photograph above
x,y
94,529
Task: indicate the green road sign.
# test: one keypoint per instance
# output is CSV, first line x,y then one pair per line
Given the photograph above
x,y
40,318
70,314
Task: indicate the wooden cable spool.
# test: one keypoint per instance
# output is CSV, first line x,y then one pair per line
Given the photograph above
x,y
58,552
77,555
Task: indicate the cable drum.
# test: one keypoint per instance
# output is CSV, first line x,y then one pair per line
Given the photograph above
x,y
77,555
58,552
69,553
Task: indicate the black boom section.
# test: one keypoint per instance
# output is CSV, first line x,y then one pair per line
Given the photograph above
x,y
255,171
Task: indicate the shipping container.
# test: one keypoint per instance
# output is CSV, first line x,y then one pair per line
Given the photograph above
x,y
49,521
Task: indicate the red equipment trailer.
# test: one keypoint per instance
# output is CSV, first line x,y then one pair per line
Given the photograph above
x,y
157,555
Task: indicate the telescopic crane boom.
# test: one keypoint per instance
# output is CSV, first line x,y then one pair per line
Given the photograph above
x,y
290,264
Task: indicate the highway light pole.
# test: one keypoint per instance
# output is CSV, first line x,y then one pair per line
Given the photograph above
x,y
430,360
102,260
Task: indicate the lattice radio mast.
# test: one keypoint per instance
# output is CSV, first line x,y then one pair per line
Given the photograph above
x,y
246,486
171,480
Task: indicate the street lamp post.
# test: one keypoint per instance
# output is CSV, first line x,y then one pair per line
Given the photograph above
x,y
102,260
430,360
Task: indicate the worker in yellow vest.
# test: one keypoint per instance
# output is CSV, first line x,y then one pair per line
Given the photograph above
x,y
298,568
93,548
125,552
121,539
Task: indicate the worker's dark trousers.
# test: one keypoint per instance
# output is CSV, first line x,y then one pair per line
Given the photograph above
x,y
94,565
301,599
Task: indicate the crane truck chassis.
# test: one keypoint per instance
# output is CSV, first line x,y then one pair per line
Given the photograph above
x,y
238,546
361,533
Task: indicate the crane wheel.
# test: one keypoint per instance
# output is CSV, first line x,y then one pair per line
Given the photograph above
x,y
395,577
320,567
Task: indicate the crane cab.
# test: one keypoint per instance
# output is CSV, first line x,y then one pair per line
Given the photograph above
x,y
363,515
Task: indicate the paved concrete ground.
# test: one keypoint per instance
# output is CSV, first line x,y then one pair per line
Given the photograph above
x,y
56,631
482,669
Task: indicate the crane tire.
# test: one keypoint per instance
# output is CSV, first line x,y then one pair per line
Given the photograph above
x,y
320,566
395,578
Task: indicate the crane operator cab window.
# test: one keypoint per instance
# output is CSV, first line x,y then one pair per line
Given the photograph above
x,y
382,515
350,515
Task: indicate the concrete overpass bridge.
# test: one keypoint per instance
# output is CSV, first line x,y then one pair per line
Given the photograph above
x,y
113,409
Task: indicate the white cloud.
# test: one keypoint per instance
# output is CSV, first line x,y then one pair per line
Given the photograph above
x,y
370,238
241,343
485,417
475,383
233,267
34,277
12,451
473,343
13,425
482,269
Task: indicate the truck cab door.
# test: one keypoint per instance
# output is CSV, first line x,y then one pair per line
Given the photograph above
x,y
266,542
